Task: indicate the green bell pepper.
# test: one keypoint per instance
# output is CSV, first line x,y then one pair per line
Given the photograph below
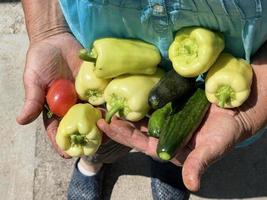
x,y
114,57
77,132
127,95
194,50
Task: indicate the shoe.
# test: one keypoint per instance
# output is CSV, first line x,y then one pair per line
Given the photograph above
x,y
83,187
167,182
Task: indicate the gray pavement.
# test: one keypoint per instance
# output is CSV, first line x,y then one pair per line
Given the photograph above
x,y
30,168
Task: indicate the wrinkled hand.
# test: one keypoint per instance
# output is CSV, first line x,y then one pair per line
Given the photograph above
x,y
47,60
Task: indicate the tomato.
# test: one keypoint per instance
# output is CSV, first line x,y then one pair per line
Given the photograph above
x,y
61,96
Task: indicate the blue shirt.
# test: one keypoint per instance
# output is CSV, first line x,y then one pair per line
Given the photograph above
x,y
243,22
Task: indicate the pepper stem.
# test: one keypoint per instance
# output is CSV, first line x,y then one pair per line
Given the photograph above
x,y
225,94
85,55
78,139
188,49
112,112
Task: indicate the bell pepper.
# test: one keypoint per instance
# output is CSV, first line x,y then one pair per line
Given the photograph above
x,y
127,95
88,86
194,50
114,57
228,81
77,132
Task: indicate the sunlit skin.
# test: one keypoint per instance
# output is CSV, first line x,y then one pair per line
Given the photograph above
x,y
47,60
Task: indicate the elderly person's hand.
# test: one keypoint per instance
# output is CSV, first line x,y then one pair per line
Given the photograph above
x,y
52,54
47,60
220,131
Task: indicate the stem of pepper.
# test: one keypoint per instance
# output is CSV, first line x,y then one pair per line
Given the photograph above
x,y
112,112
85,55
188,48
224,94
77,139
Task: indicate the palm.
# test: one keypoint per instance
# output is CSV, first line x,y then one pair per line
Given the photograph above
x,y
47,64
51,59
217,134
47,60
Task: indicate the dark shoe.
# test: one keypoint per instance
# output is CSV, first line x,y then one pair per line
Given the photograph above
x,y
167,182
83,187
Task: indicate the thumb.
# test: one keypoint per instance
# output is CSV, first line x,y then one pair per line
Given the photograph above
x,y
195,165
34,99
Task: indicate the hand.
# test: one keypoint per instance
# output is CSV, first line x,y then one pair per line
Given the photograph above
x,y
47,60
220,131
210,142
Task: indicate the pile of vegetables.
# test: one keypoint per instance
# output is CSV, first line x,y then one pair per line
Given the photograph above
x,y
123,76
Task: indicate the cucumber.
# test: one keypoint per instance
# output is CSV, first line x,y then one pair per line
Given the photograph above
x,y
157,120
180,125
170,87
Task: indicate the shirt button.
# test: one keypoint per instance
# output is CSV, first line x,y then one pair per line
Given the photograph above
x,y
159,9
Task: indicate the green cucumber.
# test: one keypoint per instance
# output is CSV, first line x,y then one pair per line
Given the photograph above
x,y
170,87
157,120
180,125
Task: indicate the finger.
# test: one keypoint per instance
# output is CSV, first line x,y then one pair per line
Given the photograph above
x,y
140,125
104,126
135,138
197,162
51,125
34,99
128,135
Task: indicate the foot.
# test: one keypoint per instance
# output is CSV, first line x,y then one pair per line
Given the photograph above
x,y
83,187
167,182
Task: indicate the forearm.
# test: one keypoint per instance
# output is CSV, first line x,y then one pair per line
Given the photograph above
x,y
43,18
253,113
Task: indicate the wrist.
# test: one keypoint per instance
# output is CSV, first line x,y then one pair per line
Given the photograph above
x,y
43,19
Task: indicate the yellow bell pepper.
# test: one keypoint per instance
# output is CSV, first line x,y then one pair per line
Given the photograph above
x,y
88,86
114,57
77,132
228,81
127,95
194,50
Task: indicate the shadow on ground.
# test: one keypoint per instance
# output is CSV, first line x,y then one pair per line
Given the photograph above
x,y
141,165
132,164
241,174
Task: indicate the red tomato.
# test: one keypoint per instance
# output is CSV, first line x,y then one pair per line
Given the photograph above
x,y
61,96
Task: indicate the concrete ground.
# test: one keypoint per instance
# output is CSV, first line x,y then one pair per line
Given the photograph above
x,y
30,168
